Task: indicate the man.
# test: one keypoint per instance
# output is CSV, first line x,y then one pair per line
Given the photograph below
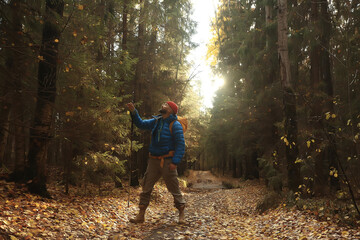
x,y
166,151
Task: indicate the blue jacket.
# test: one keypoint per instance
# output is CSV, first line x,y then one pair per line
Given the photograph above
x,y
162,141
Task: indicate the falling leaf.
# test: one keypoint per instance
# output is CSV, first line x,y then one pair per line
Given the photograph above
x,y
327,115
80,7
84,40
299,160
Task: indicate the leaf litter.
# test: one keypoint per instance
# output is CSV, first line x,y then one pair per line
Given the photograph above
x,y
210,214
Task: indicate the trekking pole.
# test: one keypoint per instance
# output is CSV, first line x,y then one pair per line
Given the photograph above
x,y
131,152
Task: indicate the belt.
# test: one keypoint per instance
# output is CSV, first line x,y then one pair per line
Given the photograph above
x,y
161,158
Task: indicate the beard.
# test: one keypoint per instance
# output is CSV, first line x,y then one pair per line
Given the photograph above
x,y
162,111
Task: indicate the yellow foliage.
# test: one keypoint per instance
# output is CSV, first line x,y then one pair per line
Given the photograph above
x,y
327,115
212,51
298,160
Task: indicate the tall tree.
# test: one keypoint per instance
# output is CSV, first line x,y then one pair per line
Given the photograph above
x,y
11,78
18,69
40,134
139,86
289,99
326,78
125,24
322,87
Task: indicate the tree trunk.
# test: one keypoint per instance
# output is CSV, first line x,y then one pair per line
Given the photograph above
x,y
9,78
268,21
67,157
320,178
125,25
138,91
331,149
322,83
179,61
15,67
9,150
4,131
289,99
40,134
140,53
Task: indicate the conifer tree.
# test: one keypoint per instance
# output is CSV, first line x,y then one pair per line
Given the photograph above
x,y
288,98
41,131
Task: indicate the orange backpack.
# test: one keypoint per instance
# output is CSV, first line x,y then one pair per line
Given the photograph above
x,y
183,121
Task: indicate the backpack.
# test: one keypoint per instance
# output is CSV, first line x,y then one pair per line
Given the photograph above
x,y
183,121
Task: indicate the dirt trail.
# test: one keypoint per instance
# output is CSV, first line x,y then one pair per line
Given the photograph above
x,y
217,213
212,213
203,180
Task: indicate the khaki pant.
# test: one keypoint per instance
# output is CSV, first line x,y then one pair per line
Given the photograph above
x,y
153,174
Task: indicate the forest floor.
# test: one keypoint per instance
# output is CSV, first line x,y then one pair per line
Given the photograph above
x,y
212,213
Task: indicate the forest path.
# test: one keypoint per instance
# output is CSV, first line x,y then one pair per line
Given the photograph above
x,y
203,180
216,213
211,213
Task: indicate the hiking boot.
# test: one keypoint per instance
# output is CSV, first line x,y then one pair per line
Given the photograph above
x,y
140,217
181,209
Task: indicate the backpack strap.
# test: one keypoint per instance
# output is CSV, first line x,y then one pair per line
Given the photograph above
x,y
171,125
